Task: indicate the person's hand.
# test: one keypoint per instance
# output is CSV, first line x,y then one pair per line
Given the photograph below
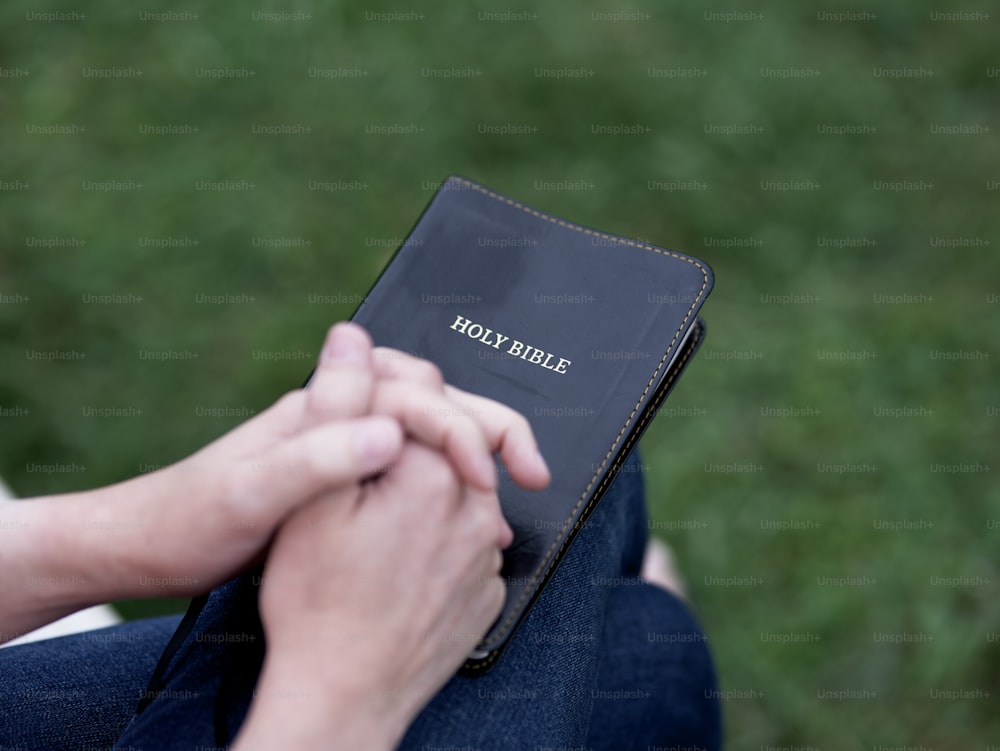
x,y
507,432
219,508
216,511
184,529
371,601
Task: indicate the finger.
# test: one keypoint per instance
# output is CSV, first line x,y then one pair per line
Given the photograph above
x,y
490,588
438,422
394,364
503,535
342,383
426,482
313,462
506,535
487,575
510,434
507,431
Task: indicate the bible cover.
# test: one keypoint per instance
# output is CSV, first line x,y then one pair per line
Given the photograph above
x,y
582,332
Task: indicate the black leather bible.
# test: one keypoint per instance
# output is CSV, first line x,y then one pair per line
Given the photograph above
x,y
582,332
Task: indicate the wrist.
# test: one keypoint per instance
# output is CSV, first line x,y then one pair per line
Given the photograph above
x,y
331,712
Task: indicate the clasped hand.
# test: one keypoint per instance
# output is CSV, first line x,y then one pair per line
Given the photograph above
x,y
370,496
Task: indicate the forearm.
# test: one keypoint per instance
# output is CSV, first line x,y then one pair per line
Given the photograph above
x,y
59,554
39,576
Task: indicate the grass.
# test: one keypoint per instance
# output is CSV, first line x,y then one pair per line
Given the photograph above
x,y
843,350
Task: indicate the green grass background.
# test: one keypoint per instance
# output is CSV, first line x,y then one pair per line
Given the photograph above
x,y
732,514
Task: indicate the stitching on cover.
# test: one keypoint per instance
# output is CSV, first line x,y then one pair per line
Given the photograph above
x,y
692,346
575,512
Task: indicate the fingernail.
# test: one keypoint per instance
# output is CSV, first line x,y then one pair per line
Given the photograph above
x,y
341,346
378,441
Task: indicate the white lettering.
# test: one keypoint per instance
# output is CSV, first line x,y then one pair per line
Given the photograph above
x,y
519,349
460,324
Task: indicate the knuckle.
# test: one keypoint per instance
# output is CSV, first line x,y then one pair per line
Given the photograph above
x,y
455,433
321,400
482,526
335,393
515,426
520,423
313,458
286,410
439,478
405,366
285,413
389,362
290,401
238,500
428,372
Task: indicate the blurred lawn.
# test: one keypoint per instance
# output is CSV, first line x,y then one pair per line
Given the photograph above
x,y
797,631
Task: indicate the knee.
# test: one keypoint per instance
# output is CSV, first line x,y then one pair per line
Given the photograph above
x,y
656,649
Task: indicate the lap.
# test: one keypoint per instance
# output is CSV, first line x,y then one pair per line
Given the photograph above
x,y
79,690
601,660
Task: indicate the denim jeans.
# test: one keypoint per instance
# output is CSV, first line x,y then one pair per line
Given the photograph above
x,y
602,661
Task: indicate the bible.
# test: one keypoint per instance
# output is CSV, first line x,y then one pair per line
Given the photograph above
x,y
582,332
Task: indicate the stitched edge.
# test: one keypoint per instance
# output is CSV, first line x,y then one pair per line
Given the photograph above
x,y
646,417
575,512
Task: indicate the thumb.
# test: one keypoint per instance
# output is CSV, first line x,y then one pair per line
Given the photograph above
x,y
341,386
323,459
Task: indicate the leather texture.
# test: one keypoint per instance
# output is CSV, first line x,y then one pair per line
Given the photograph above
x,y
615,321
